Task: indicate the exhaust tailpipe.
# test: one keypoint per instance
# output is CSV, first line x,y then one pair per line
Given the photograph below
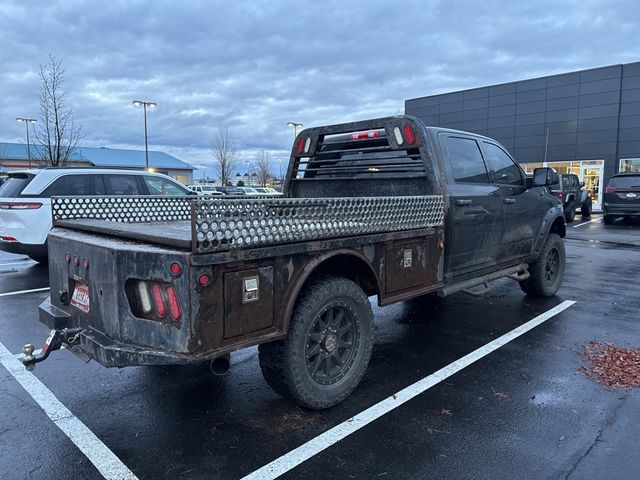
x,y
221,365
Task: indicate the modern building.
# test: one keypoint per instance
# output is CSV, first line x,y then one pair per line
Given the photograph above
x,y
15,156
585,122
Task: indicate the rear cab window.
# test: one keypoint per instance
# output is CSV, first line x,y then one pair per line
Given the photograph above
x,y
503,169
465,159
14,185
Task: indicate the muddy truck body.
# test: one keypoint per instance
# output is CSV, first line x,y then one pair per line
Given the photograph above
x,y
387,208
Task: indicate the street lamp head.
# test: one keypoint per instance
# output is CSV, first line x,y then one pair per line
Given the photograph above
x,y
152,104
294,125
33,120
137,103
19,120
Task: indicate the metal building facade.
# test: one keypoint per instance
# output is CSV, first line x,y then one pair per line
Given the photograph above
x,y
585,122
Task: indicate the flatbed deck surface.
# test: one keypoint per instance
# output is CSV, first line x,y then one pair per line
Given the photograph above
x,y
171,233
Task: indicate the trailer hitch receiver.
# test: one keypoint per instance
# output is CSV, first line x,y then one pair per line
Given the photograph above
x,y
54,341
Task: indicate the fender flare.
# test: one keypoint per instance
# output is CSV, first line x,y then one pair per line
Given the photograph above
x,y
300,280
553,215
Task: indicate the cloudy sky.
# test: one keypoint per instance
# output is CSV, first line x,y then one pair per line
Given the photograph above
x,y
253,66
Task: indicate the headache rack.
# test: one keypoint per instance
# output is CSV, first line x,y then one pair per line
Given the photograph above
x,y
217,224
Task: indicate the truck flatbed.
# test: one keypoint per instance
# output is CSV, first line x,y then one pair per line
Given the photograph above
x,y
175,233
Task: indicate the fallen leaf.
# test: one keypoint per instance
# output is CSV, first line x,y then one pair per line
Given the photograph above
x,y
500,395
445,411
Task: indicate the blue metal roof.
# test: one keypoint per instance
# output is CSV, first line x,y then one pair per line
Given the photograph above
x,y
102,157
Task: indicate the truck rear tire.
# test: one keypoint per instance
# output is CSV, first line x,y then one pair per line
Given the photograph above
x,y
545,274
328,347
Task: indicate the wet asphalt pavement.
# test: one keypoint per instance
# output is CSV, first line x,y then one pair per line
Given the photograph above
x,y
523,411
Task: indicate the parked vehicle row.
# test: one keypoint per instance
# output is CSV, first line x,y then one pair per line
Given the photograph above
x,y
205,189
25,199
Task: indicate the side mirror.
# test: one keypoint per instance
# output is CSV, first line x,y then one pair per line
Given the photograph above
x,y
543,177
581,184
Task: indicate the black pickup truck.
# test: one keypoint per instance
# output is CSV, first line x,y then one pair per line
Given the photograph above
x,y
387,208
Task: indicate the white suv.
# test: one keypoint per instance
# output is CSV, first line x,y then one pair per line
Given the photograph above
x,y
205,190
25,199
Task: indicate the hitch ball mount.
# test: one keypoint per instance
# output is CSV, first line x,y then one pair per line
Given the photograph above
x,y
54,341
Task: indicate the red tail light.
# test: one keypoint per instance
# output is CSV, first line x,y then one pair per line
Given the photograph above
x,y
408,135
8,239
20,206
300,146
174,304
560,194
161,309
610,190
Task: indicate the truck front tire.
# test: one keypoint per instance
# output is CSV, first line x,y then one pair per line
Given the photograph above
x,y
328,346
546,272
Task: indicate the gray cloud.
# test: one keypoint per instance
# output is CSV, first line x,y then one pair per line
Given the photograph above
x,y
253,66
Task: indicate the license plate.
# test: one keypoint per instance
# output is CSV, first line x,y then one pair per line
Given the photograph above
x,y
631,195
80,297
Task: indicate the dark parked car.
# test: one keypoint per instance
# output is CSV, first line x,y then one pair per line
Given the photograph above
x,y
234,191
569,190
622,197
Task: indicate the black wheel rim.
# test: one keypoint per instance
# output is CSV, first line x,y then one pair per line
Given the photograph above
x,y
332,344
552,265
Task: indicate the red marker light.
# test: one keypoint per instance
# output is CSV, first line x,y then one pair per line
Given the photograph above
x,y
408,134
67,258
85,263
204,279
76,260
175,269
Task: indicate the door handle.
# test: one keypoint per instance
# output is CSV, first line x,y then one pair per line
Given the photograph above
x,y
463,202
509,200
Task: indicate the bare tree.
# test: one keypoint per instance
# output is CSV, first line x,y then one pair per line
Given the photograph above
x,y
56,134
225,155
263,168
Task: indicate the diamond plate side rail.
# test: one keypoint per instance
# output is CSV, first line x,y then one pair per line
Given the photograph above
x,y
221,225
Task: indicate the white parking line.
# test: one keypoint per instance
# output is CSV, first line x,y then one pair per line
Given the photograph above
x,y
97,452
316,445
588,221
21,264
43,289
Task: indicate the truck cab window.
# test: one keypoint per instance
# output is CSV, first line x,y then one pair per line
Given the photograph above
x,y
466,161
504,170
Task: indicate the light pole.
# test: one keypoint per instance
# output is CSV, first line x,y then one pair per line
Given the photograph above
x,y
144,105
280,162
248,172
295,128
26,122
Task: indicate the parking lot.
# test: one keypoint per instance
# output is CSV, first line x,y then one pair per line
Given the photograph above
x,y
521,410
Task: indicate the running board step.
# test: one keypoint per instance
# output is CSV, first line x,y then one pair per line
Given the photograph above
x,y
518,273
